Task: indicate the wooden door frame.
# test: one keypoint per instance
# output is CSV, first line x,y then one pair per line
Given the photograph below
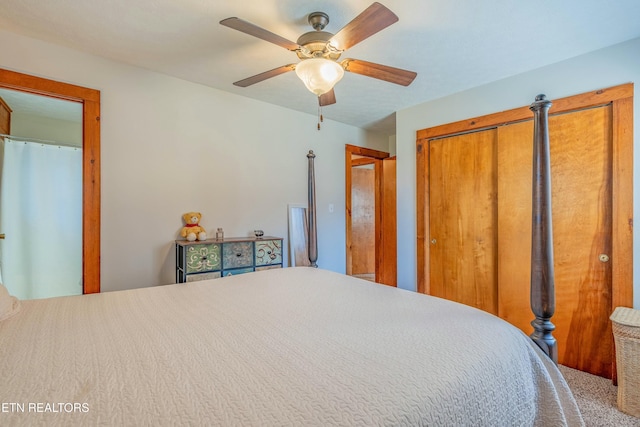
x,y
621,99
376,158
90,100
389,223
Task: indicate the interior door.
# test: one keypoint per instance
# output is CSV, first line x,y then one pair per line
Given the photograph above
x,y
463,211
370,215
581,164
480,226
363,221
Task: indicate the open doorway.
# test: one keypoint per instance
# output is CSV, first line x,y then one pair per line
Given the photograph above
x,y
370,178
90,100
40,195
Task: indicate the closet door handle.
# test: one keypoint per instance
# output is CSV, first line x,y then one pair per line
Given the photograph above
x,y
2,236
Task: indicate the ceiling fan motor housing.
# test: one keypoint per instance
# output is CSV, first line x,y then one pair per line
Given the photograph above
x,y
316,45
318,20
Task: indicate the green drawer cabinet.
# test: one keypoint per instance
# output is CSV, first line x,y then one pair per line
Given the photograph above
x,y
201,258
210,259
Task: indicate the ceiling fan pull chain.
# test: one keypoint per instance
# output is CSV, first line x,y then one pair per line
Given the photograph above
x,y
320,118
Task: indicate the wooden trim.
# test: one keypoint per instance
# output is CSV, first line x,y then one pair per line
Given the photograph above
x,y
379,261
622,209
422,206
46,87
576,102
91,185
622,215
362,161
5,127
4,104
622,99
375,157
347,209
368,152
389,226
90,99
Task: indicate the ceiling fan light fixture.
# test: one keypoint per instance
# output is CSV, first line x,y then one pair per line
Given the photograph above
x,y
319,75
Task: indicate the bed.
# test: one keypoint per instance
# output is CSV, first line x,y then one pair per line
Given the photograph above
x,y
294,346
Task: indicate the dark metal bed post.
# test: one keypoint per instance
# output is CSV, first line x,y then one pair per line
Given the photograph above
x,y
543,302
313,233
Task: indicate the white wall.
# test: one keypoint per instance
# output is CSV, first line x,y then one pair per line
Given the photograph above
x,y
48,129
170,146
392,145
600,69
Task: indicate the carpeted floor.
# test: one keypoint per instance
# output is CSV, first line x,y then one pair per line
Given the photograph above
x,y
596,397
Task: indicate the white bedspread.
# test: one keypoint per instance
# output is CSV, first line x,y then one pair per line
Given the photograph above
x,y
296,346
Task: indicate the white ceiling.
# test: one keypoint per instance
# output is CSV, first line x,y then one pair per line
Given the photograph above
x,y
452,45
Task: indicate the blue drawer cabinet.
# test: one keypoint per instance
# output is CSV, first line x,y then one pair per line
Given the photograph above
x,y
210,259
237,254
235,271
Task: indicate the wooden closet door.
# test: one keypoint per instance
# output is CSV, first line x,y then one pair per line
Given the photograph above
x,y
591,137
462,177
581,162
363,221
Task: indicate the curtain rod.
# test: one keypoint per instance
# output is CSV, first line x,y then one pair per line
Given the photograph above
x,y
39,141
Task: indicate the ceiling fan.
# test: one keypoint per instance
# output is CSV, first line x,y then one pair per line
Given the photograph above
x,y
319,52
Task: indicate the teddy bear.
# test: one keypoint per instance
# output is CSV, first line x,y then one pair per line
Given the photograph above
x,y
192,230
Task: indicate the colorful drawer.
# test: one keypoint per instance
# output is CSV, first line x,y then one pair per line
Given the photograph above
x,y
202,258
268,252
237,254
211,259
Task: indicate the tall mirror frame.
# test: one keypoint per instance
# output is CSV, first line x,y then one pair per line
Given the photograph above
x,y
90,100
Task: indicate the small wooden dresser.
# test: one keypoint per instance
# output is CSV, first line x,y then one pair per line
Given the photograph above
x,y
211,259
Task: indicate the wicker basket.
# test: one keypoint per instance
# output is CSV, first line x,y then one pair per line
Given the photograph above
x,y
626,332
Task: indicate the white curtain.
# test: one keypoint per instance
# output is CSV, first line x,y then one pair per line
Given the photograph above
x,y
41,216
